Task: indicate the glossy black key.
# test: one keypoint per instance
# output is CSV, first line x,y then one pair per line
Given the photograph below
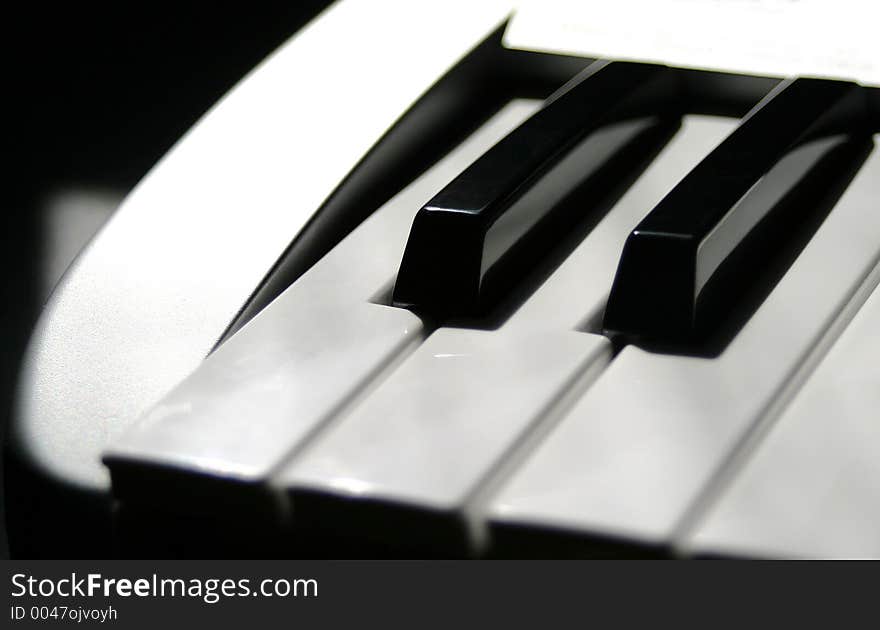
x,y
732,213
496,220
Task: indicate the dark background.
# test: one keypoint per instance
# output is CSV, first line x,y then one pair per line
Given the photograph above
x,y
95,96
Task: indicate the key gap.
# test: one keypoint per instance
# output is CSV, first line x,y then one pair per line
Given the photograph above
x,y
546,419
347,404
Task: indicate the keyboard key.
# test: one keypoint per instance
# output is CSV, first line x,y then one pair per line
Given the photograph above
x,y
811,487
632,458
245,408
410,466
683,264
476,237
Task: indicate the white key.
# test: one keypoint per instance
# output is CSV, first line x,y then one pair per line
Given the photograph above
x,y
240,413
302,357
812,487
633,455
431,437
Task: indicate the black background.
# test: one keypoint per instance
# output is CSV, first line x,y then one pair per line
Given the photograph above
x,y
95,94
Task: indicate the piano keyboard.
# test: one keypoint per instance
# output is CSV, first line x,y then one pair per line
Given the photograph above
x,y
370,423
615,320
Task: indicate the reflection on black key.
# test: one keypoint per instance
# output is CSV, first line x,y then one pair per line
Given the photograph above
x,y
474,239
724,222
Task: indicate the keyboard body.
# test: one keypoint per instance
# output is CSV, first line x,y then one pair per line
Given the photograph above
x,y
223,372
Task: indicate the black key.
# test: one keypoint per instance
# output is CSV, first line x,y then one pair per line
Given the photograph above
x,y
496,220
682,264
